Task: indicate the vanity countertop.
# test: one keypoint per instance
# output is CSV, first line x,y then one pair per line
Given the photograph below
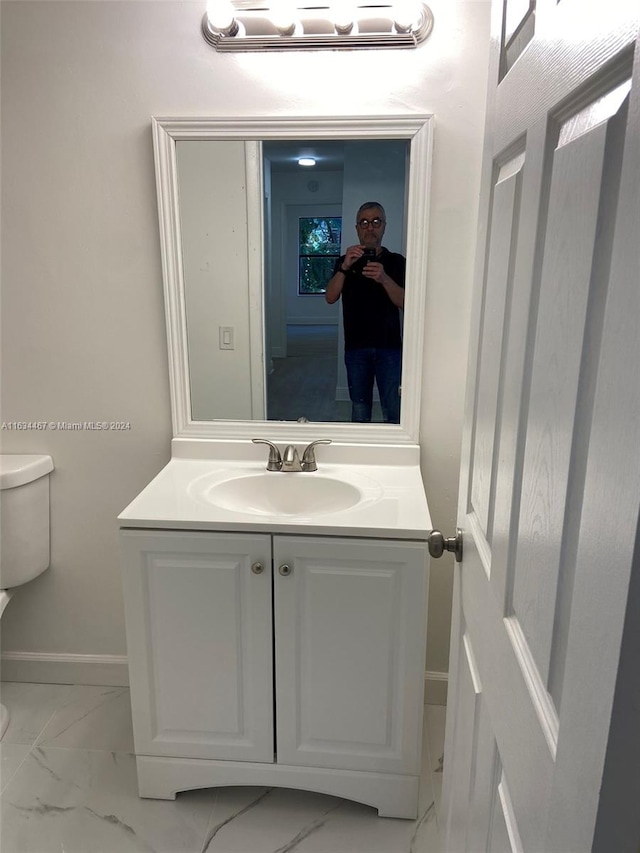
x,y
392,505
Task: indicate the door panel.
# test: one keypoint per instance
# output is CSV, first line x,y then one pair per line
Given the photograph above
x,y
199,642
569,317
504,834
504,221
469,707
533,657
483,783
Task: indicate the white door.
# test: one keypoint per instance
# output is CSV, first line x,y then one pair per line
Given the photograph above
x,y
550,480
350,638
199,634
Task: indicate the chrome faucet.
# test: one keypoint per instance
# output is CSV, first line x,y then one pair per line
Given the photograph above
x,y
289,460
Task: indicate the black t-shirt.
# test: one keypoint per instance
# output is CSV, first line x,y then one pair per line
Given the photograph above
x,y
370,317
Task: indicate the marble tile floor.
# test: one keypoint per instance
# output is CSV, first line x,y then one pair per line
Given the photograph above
x,y
68,784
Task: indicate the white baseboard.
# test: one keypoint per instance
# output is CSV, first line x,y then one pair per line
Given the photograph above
x,y
112,671
435,688
46,668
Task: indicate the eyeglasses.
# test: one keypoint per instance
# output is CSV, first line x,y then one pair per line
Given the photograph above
x,y
376,223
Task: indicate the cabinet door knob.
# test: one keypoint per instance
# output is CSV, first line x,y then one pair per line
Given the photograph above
x,y
285,570
257,568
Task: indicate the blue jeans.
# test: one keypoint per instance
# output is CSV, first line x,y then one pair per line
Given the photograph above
x,y
363,366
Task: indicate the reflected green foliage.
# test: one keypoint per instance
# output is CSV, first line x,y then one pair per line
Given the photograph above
x,y
319,239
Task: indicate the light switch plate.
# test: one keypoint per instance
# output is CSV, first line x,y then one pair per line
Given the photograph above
x,y
226,337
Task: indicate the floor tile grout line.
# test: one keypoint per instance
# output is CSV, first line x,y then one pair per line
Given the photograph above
x,y
31,744
43,729
4,790
214,802
66,704
6,784
47,748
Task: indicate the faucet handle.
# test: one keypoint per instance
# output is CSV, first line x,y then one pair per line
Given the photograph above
x,y
309,455
275,460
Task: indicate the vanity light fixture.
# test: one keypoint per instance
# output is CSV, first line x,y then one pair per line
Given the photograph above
x,y
243,25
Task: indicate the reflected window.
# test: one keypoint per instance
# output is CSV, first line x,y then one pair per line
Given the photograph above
x,y
319,240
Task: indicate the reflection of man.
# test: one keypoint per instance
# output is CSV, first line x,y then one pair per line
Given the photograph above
x,y
372,291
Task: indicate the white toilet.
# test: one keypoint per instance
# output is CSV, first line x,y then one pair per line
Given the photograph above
x,y
24,526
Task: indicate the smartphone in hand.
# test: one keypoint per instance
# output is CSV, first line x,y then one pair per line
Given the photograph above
x,y
367,255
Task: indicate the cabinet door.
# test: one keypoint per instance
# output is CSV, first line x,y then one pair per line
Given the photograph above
x,y
350,649
199,636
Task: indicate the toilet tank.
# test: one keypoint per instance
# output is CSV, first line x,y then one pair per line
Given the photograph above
x,y
24,517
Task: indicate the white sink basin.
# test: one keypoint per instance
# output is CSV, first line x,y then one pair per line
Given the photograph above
x,y
273,493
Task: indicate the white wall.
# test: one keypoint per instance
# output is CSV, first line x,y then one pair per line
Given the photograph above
x,y
375,171
212,184
83,333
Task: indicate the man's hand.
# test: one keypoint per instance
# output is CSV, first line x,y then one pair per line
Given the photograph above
x,y
352,254
337,280
375,270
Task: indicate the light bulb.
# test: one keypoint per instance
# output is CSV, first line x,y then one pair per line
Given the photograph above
x,y
306,161
343,14
406,15
283,14
221,17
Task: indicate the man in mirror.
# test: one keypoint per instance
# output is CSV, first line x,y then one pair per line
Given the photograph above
x,y
370,279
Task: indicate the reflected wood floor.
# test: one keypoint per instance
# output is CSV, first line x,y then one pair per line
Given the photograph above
x,y
304,383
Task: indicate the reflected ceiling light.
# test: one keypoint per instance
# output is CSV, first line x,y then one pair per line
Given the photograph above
x,y
306,161
241,25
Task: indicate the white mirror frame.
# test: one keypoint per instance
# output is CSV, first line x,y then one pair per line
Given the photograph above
x,y
418,129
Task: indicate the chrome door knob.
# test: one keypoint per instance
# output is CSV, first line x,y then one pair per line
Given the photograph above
x,y
438,544
257,568
285,570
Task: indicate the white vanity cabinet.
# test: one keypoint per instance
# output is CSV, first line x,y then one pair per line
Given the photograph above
x,y
286,660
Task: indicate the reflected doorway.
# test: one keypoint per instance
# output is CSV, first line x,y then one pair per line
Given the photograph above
x,y
304,356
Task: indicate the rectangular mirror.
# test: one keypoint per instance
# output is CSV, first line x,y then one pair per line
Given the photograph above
x,y
249,241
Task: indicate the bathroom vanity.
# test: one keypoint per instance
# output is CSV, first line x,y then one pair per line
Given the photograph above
x,y
276,628
276,620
